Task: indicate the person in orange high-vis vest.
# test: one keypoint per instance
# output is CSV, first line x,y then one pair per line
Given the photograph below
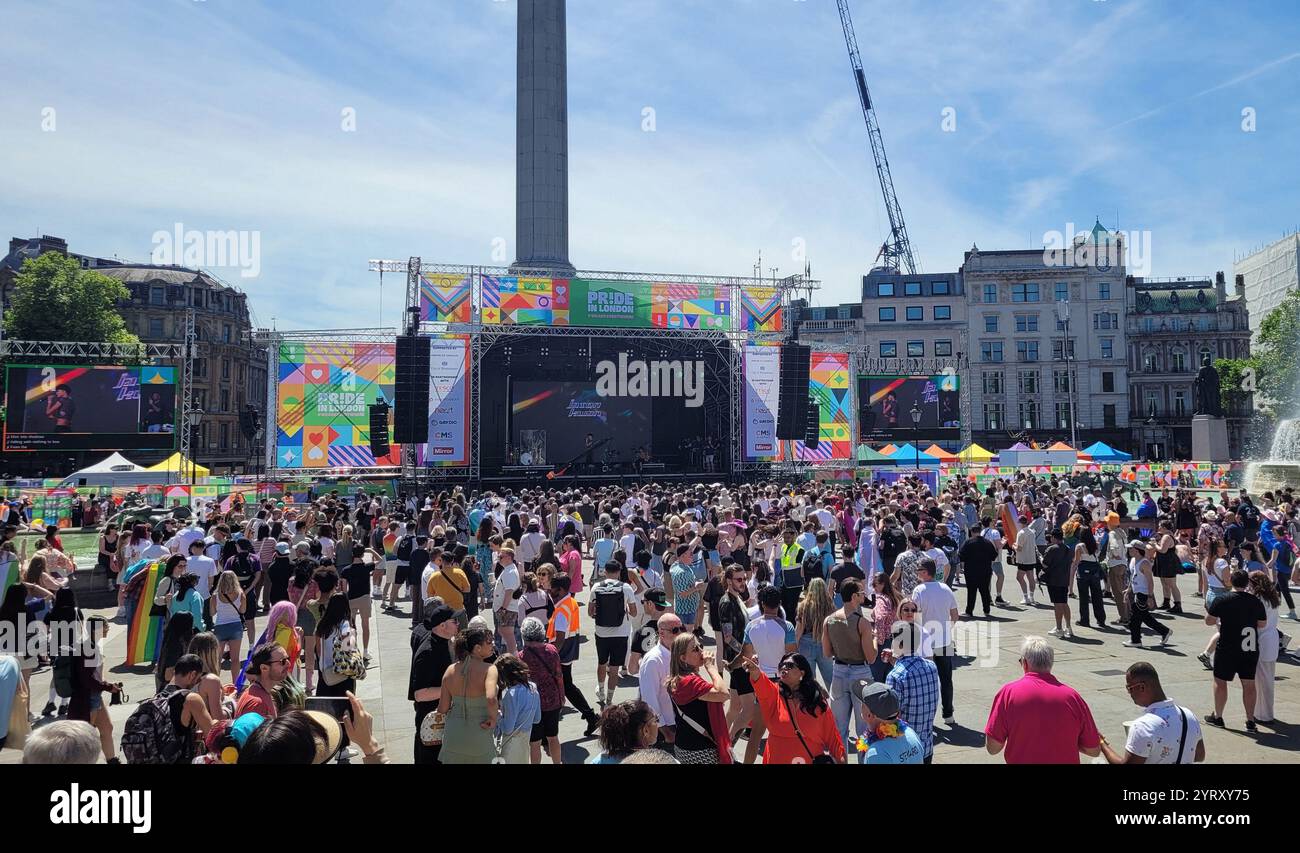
x,y
562,632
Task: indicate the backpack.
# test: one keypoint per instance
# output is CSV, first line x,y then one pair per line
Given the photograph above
x,y
348,662
63,672
149,736
811,565
610,612
405,547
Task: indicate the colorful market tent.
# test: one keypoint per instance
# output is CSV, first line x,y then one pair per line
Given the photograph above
x,y
974,453
177,464
116,470
939,453
1019,445
888,449
867,456
1061,445
1103,452
908,454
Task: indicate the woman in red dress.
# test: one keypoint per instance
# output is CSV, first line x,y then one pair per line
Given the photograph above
x,y
800,726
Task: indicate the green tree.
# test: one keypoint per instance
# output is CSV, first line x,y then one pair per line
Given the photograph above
x,y
54,299
1237,377
1278,353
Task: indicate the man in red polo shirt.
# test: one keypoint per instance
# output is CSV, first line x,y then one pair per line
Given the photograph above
x,y
268,667
1037,719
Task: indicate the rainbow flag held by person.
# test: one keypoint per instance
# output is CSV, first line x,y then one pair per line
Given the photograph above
x,y
145,633
1010,523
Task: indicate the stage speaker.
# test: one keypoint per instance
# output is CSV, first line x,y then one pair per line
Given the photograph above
x,y
411,390
792,400
250,421
813,429
379,430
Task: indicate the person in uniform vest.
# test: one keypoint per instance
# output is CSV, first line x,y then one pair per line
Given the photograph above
x,y
789,571
562,632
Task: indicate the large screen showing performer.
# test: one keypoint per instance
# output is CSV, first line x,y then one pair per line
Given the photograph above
x,y
886,404
550,422
57,407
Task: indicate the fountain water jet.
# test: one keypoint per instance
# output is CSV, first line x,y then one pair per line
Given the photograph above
x,y
1283,466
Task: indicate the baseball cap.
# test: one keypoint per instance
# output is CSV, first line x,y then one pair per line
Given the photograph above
x,y
658,596
282,548
880,700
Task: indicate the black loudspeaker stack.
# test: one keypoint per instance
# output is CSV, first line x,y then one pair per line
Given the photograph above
x,y
379,430
792,401
411,415
813,432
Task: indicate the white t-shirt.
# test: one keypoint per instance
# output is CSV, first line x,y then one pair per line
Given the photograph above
x,y
1213,579
936,603
153,552
628,543
653,677
206,568
624,629
1155,735
769,637
826,518
530,544
940,560
326,547
180,543
503,592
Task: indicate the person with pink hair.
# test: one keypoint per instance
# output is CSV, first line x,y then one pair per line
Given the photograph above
x,y
282,628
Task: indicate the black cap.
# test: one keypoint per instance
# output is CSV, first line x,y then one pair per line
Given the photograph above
x,y
438,615
658,596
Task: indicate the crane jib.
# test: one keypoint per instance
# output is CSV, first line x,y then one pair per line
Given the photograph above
x,y
862,88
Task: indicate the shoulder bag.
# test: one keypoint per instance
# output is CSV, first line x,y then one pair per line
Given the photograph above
x,y
825,757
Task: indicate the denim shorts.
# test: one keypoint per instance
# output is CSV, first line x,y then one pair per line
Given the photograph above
x,y
228,632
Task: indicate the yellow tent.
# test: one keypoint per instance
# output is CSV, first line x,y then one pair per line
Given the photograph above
x,y
178,464
974,453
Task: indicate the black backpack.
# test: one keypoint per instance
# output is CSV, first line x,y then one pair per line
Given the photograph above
x,y
405,547
150,737
610,611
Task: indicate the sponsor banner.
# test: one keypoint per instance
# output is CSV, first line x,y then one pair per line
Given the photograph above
x,y
322,413
762,372
448,436
513,300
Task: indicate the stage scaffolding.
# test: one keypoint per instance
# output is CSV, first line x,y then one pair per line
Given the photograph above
x,y
482,337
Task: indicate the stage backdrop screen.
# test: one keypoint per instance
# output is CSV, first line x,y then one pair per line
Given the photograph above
x,y
549,422
89,407
322,413
886,404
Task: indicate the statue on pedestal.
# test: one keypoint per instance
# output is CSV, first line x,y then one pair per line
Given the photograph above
x,y
1205,390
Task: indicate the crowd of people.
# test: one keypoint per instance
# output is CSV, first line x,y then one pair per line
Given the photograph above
x,y
815,623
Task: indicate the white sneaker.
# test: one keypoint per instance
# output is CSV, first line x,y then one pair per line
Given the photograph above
x,y
1167,638
950,721
1055,632
1129,644
1069,635
1291,615
1024,602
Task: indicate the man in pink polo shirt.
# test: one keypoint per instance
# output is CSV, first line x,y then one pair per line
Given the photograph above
x,y
1037,719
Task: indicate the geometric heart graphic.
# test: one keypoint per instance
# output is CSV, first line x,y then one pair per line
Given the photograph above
x,y
315,453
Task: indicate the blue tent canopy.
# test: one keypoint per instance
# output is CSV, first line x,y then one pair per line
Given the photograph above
x,y
1103,452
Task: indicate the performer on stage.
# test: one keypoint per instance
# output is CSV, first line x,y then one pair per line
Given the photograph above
x,y
60,407
587,462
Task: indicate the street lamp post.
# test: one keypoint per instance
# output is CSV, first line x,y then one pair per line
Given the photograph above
x,y
195,415
916,433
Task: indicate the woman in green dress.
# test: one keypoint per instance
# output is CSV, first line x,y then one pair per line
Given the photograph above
x,y
469,701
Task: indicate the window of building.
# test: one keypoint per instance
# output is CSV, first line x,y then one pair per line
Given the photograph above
x,y
202,397
943,312
1108,415
225,400
990,350
1027,350
1024,292
203,435
1060,324
1061,381
1028,382
155,327
889,349
990,294
225,368
995,416
225,437
1107,382
1149,362
939,288
1107,347
225,332
1062,291
943,348
1180,402
1029,414
1062,415
1177,361
1057,349
241,374
156,296
1148,325
916,349
1026,322
885,288
886,315
990,322
992,382
1152,403
1103,290
912,288
915,313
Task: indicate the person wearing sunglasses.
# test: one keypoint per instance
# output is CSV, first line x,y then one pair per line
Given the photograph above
x,y
654,672
800,726
697,693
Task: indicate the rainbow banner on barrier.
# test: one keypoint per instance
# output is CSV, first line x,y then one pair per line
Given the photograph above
x,y
145,633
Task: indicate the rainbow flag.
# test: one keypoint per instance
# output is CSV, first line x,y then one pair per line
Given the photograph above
x,y
145,634
12,573
1010,523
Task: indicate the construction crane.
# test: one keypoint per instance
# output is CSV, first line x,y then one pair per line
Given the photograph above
x,y
897,250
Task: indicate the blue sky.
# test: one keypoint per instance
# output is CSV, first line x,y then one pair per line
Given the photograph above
x,y
226,114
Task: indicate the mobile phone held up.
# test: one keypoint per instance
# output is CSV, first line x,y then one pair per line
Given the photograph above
x,y
338,707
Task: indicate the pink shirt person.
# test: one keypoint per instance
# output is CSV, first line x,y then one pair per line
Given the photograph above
x,y
1038,719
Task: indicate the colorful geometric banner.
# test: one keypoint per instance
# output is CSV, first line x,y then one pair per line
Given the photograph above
x,y
511,300
760,309
322,413
830,388
445,298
